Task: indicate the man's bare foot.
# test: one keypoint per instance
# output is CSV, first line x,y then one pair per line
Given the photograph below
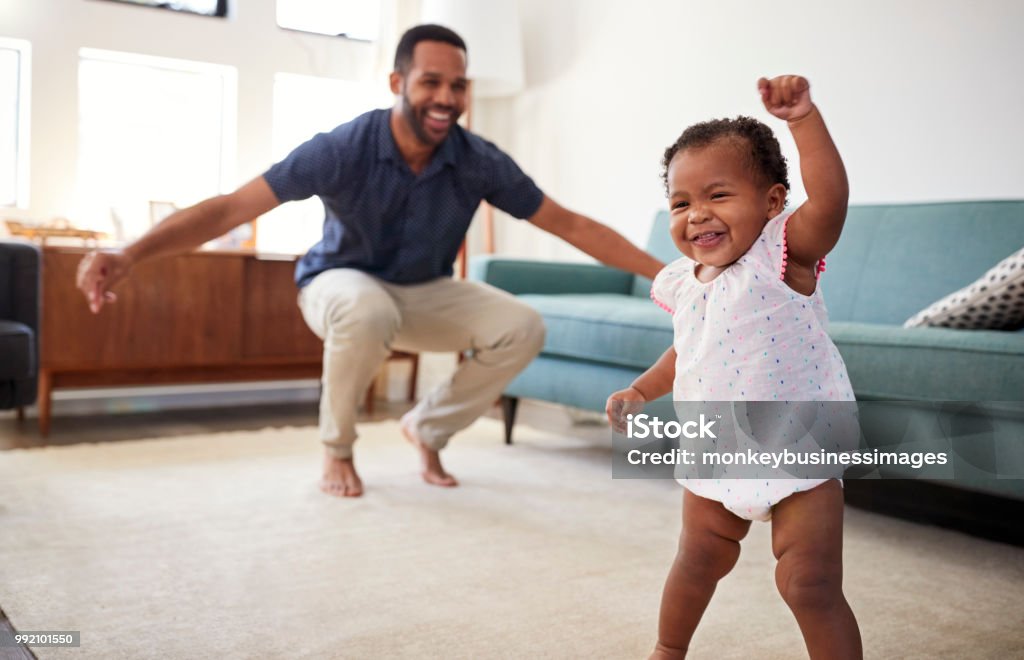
x,y
340,477
433,473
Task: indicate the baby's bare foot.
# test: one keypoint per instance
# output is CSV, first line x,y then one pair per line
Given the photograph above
x,y
433,472
340,477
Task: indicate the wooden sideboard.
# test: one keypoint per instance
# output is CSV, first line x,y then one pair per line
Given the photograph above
x,y
202,317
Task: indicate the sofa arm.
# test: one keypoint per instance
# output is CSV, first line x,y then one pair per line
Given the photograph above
x,y
19,317
19,283
520,276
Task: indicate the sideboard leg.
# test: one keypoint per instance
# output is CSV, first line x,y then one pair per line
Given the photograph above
x,y
44,398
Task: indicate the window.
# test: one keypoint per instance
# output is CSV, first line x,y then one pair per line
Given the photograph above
x,y
204,7
355,19
14,116
150,129
303,107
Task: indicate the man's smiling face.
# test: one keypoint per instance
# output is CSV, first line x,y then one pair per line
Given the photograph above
x,y
434,90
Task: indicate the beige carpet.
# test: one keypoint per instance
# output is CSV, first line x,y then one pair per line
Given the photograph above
x,y
221,546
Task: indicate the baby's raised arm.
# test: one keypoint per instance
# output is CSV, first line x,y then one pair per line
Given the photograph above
x,y
814,227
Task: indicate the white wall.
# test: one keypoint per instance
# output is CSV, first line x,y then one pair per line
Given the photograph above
x,y
249,40
923,97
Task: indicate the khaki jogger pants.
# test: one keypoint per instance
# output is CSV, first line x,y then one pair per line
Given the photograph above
x,y
361,319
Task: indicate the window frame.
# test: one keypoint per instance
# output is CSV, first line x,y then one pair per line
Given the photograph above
x,y
228,100
229,96
341,35
22,144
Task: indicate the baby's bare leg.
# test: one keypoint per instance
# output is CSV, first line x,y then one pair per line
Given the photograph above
x,y
807,539
708,549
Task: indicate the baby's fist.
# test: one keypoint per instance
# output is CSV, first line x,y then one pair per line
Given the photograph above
x,y
786,97
621,405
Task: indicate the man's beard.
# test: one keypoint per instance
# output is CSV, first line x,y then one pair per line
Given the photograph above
x,y
416,123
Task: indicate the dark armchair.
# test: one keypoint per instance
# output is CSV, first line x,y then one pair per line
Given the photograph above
x,y
19,324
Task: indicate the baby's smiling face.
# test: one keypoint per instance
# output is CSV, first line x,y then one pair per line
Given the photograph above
x,y
718,206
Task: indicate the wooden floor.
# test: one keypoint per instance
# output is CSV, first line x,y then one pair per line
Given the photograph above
x,y
69,430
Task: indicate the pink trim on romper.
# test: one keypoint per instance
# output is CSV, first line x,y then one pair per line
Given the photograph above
x,y
661,304
818,270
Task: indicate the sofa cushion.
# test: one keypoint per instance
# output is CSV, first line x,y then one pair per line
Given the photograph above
x,y
893,260
995,301
17,352
891,362
613,329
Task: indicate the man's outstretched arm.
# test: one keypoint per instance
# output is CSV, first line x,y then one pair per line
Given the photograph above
x,y
599,241
182,231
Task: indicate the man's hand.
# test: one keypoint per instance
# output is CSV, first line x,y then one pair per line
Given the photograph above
x,y
622,404
97,273
786,97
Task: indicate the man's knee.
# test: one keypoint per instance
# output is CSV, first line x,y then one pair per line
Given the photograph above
x,y
525,328
808,583
365,314
535,331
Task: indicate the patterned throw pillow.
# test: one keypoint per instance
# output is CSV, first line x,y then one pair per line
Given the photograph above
x,y
994,302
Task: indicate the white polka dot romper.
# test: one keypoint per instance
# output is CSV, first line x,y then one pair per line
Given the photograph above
x,y
747,336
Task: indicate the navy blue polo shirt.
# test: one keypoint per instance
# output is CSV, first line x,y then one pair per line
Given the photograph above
x,y
381,218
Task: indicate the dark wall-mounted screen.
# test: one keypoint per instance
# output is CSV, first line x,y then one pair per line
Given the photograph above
x,y
204,7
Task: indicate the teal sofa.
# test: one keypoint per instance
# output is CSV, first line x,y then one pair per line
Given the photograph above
x,y
891,262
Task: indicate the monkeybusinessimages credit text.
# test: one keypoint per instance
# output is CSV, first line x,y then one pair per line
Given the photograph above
x,y
710,453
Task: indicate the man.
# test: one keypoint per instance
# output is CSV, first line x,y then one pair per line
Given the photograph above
x,y
399,187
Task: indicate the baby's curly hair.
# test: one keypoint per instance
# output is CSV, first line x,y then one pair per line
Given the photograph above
x,y
764,155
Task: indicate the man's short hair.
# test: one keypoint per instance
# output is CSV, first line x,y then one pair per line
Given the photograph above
x,y
427,32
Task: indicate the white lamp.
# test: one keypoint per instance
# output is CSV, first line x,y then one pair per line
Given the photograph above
x,y
495,50
491,32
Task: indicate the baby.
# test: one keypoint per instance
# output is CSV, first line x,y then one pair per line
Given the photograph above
x,y
749,325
